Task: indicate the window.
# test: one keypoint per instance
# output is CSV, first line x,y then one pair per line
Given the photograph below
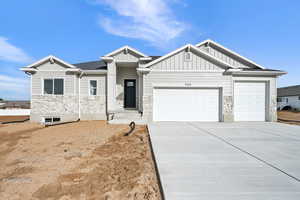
x,y
187,56
279,99
93,87
51,119
54,86
287,100
299,98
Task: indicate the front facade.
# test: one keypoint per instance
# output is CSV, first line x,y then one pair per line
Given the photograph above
x,y
288,98
203,82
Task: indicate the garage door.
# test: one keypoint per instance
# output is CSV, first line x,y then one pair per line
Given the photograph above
x,y
249,101
185,104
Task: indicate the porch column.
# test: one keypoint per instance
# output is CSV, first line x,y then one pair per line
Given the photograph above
x,y
111,86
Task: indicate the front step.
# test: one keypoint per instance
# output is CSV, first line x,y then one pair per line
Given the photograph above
x,y
126,116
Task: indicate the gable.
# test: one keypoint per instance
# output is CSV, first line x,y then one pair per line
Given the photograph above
x,y
51,66
128,56
227,55
177,62
234,61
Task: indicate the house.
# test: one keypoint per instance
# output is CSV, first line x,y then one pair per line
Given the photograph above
x,y
203,82
288,97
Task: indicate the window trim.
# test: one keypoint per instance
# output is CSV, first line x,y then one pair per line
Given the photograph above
x,y
89,90
43,89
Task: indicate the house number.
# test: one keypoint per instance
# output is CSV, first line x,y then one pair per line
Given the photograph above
x,y
188,84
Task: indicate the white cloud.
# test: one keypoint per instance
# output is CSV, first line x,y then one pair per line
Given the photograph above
x,y
12,84
150,20
11,53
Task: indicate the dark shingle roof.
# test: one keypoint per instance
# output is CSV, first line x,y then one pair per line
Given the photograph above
x,y
100,65
92,65
289,91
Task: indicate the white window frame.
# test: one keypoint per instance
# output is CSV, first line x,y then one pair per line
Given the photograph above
x,y
90,87
43,89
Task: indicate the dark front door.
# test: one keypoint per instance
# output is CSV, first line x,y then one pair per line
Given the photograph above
x,y
129,93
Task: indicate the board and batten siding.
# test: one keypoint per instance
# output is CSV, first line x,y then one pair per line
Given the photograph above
x,y
177,62
176,72
225,57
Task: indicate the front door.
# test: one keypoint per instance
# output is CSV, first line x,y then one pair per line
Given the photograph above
x,y
129,93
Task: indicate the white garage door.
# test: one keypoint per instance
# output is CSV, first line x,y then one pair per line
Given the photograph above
x,y
249,101
185,104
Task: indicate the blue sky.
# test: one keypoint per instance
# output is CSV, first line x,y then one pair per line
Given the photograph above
x,y
266,31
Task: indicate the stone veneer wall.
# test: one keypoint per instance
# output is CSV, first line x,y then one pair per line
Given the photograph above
x,y
273,109
228,109
65,107
93,107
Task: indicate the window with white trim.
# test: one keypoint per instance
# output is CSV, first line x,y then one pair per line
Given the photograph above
x,y
93,87
54,86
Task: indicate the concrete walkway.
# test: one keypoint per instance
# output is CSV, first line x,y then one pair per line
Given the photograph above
x,y
234,161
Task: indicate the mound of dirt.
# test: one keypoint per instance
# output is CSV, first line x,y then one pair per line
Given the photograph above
x,y
84,160
122,168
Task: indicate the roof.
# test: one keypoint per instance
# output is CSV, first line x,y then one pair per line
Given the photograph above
x,y
92,65
208,41
50,58
195,49
126,48
288,91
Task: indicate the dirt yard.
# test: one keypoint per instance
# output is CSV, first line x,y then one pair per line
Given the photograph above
x,y
86,160
12,118
285,116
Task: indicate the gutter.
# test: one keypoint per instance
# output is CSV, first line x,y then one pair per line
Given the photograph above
x,y
260,73
140,69
94,71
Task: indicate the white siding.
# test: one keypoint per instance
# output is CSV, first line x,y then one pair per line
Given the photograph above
x,y
177,62
39,76
49,66
194,79
93,107
128,57
101,84
292,101
228,59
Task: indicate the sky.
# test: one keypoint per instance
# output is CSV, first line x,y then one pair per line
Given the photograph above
x,y
265,31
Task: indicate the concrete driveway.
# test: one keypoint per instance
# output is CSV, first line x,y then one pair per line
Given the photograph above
x,y
234,161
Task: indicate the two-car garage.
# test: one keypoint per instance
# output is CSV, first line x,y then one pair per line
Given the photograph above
x,y
205,104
